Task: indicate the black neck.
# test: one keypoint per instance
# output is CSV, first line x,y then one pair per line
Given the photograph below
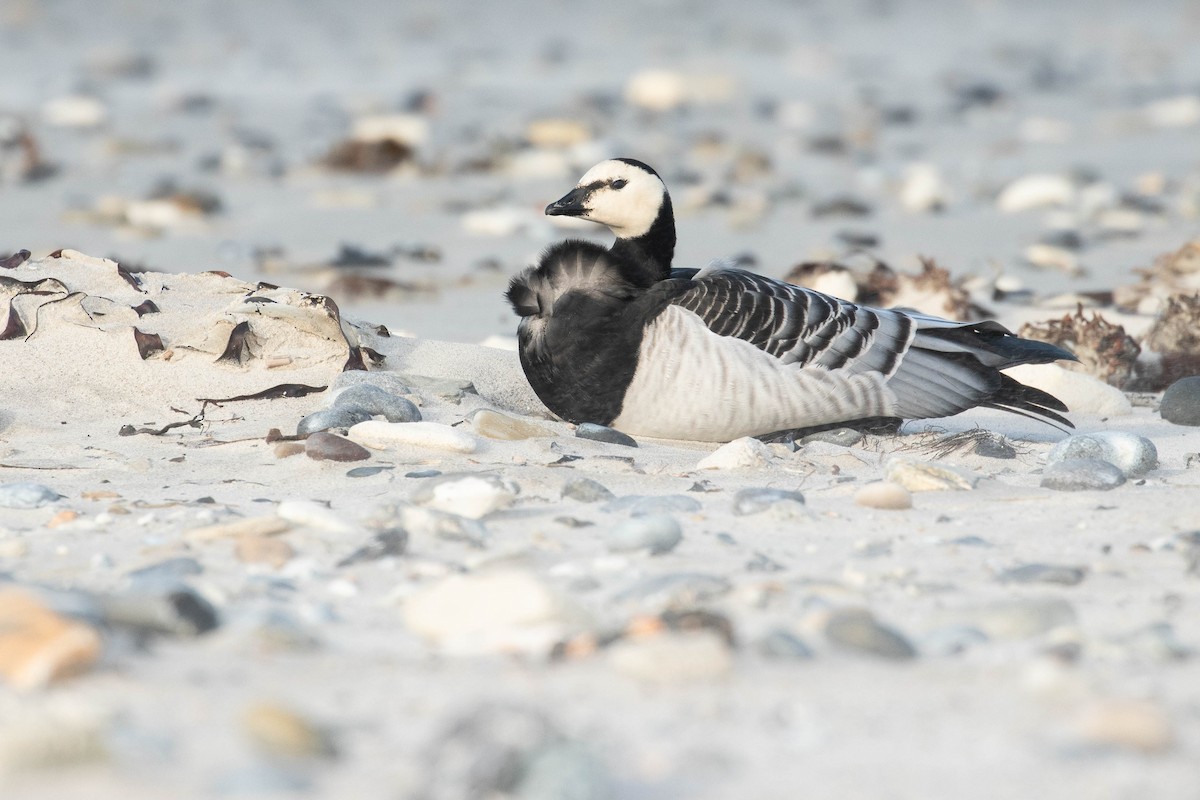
x,y
655,247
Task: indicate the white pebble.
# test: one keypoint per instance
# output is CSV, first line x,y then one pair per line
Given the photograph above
x,y
314,515
657,90
471,495
1174,112
923,189
1036,191
1132,454
74,111
885,495
386,435
1082,393
744,453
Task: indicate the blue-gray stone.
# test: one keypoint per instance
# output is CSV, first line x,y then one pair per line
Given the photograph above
x,y
1132,454
1082,474
377,402
783,645
328,418
845,437
758,500
657,533
1043,573
1181,402
26,495
857,630
586,490
600,433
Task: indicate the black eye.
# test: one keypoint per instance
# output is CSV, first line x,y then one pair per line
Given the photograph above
x,y
619,183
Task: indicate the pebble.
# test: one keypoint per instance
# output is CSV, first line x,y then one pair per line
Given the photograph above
x,y
387,435
1174,112
640,505
324,446
366,472
657,533
1082,474
923,189
1181,402
673,657
336,417
586,490
39,647
657,90
376,401
1021,619
884,495
392,542
744,453
495,425
757,500
312,514
926,476
428,523
601,433
846,437
496,611
781,645
180,612
74,111
1131,724
166,574
273,552
1043,573
1036,191
281,731
468,494
674,590
857,630
1132,454
26,495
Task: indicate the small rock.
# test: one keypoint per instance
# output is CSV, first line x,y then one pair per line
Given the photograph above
x,y
857,630
250,526
657,90
600,433
181,612
1082,474
640,505
884,495
324,446
1131,724
586,490
26,495
280,731
427,523
744,453
74,111
383,545
757,500
923,189
657,533
674,590
376,402
1181,402
495,425
994,446
263,550
366,472
166,574
925,476
781,645
336,417
37,646
1043,573
673,658
763,563
314,515
1174,112
470,494
388,435
1132,454
1036,191
845,437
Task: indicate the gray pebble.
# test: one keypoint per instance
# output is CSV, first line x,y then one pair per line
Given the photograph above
x,y
26,495
675,589
336,417
757,500
783,645
994,446
387,381
726,539
181,612
845,437
167,573
657,533
1082,474
1132,454
383,544
377,402
1181,402
1043,573
857,630
639,505
323,446
366,472
586,490
423,473
952,640
600,433
971,541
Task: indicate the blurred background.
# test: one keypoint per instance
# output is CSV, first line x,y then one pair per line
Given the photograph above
x,y
397,156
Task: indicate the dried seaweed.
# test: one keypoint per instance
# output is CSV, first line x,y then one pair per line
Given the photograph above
x,y
129,278
979,440
147,307
195,422
273,393
15,260
355,361
1104,349
147,343
237,349
14,326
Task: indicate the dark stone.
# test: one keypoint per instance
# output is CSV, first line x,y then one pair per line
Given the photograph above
x,y
600,433
857,630
324,446
1181,402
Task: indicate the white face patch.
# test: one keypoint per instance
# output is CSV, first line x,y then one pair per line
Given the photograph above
x,y
630,210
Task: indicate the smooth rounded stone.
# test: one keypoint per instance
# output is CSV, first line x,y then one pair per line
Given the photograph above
x,y
280,731
26,495
1132,454
335,417
640,505
380,435
657,533
324,446
744,453
564,771
495,425
952,640
1020,619
1131,724
857,630
181,612
1181,402
273,552
1036,191
387,381
781,645
428,523
927,476
366,472
38,647
675,589
376,402
601,433
495,611
884,495
1082,474
757,500
586,490
844,437
1044,573
468,494
673,657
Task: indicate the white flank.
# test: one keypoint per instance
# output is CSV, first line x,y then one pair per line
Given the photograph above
x,y
692,384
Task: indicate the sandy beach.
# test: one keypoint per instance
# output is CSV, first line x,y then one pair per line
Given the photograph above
x,y
226,205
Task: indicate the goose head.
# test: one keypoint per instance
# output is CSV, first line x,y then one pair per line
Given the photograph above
x,y
624,194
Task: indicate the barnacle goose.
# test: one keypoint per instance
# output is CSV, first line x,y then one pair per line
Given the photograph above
x,y
615,336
